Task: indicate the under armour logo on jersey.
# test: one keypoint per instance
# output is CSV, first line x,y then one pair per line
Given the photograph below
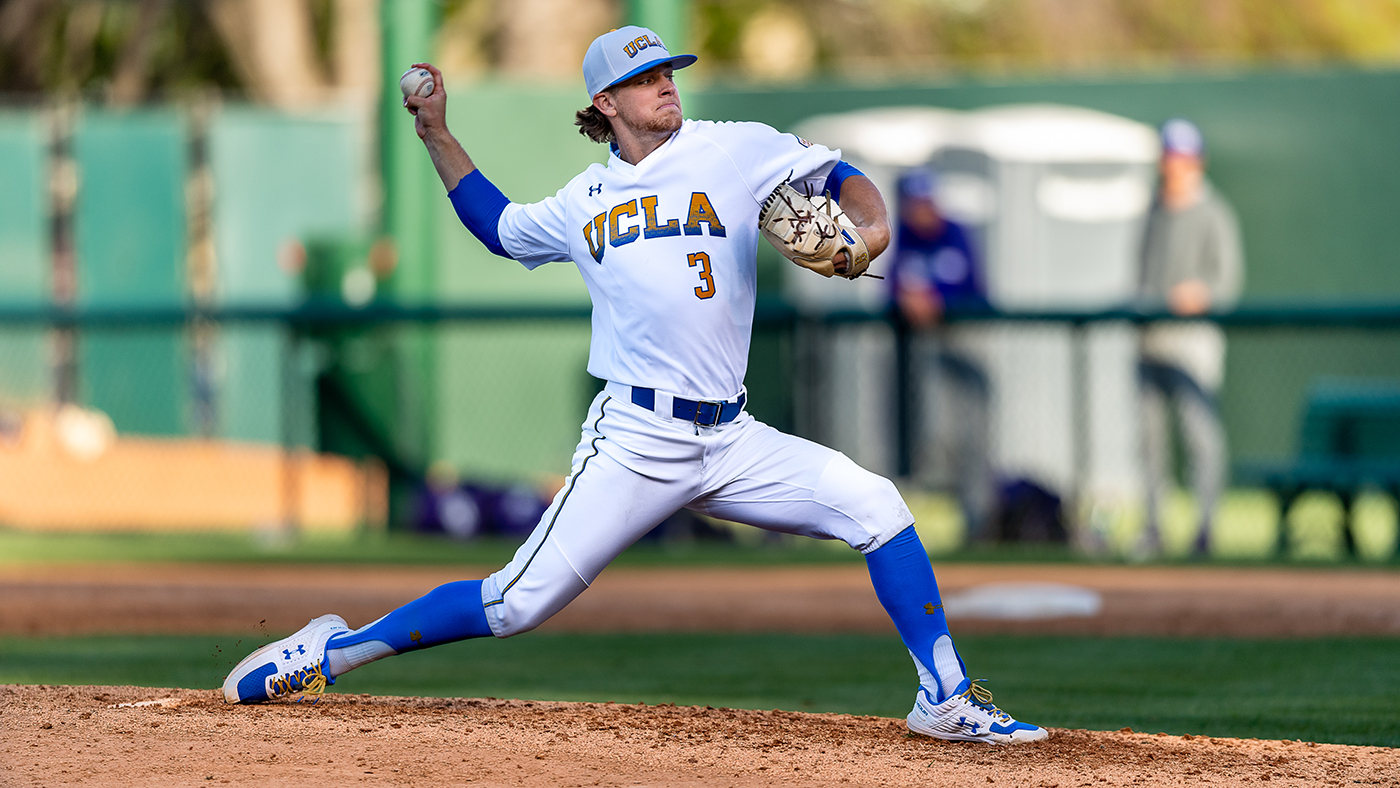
x,y
972,726
287,653
619,225
591,191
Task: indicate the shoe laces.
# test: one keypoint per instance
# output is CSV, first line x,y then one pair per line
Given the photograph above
x,y
981,697
308,681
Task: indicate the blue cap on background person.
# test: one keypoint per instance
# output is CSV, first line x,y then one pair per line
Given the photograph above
x,y
624,53
917,185
1183,138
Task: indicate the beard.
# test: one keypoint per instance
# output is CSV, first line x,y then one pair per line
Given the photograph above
x,y
652,123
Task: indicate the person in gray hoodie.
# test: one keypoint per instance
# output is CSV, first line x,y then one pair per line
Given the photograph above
x,y
1192,264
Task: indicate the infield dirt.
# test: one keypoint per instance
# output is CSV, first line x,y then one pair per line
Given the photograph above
x,y
55,599
59,736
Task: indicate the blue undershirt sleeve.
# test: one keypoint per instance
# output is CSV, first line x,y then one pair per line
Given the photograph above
x,y
479,205
838,175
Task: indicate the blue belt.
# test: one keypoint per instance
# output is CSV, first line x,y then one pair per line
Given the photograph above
x,y
705,413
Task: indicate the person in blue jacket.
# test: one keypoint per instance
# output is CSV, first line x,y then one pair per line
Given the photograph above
x,y
936,269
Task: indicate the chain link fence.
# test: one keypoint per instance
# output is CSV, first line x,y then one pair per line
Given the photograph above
x,y
1028,427
1080,427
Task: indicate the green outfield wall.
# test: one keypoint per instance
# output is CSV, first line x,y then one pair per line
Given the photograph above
x,y
491,419
130,246
1305,156
25,254
279,180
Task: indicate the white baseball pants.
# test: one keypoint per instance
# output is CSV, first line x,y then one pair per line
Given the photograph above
x,y
634,468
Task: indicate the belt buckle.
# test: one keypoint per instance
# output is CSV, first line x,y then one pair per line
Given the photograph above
x,y
701,405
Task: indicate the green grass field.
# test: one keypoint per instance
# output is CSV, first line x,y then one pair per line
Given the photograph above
x,y
1340,690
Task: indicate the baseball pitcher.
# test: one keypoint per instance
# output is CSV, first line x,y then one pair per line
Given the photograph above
x,y
665,237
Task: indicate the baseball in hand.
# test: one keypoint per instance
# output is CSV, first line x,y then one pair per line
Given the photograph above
x,y
416,82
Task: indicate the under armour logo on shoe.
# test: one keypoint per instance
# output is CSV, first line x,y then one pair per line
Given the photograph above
x,y
591,191
287,653
415,636
972,726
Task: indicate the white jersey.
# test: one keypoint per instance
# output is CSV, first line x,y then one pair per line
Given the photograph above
x,y
667,249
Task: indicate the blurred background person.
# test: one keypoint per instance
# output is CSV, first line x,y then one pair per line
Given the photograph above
x,y
1192,263
946,393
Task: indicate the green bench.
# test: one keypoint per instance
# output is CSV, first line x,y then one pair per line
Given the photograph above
x,y
1348,442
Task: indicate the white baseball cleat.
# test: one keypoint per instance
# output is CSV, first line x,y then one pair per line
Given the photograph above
x,y
969,716
286,667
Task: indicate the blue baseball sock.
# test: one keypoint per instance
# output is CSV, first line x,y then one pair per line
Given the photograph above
x,y
448,613
905,585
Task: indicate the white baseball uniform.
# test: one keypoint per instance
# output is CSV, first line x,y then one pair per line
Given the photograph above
x,y
667,249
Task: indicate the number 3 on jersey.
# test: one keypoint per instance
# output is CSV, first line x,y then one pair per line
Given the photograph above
x,y
703,260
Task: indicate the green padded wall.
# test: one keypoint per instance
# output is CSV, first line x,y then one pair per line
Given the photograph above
x,y
130,240
279,179
24,255
511,399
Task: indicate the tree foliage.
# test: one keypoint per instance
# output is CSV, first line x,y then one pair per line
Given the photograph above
x,y
924,36
126,51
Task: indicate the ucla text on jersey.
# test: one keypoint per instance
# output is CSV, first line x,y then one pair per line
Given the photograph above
x,y
624,215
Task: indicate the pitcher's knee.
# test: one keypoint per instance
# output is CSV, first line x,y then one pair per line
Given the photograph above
x,y
513,619
528,591
520,610
871,502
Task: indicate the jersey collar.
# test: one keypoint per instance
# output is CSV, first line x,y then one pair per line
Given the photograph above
x,y
616,163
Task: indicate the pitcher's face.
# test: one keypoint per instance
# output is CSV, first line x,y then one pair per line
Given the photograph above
x,y
649,102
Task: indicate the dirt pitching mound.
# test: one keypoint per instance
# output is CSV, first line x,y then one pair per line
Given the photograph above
x,y
59,736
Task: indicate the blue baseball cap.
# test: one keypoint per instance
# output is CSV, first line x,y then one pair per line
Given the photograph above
x,y
624,53
1182,137
917,184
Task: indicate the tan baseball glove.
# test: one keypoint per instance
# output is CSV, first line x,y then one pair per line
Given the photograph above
x,y
811,236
